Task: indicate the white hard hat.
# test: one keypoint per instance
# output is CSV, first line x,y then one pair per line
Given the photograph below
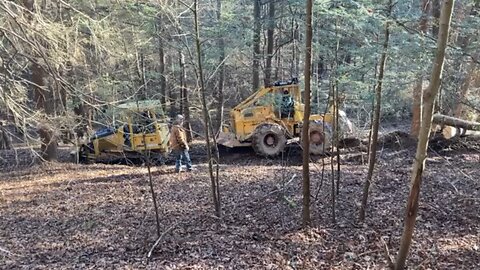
x,y
179,118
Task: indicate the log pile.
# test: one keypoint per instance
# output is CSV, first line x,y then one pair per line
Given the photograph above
x,y
452,127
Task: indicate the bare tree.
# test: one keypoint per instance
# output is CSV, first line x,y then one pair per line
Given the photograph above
x,y
270,42
306,220
411,209
184,98
376,118
256,45
5,141
221,76
418,89
161,65
43,98
436,5
206,118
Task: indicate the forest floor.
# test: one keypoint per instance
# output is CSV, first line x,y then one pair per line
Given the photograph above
x,y
65,216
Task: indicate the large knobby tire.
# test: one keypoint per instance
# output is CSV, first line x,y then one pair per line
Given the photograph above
x,y
320,136
269,140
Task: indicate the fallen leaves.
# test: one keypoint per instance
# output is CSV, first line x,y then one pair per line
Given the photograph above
x,y
60,215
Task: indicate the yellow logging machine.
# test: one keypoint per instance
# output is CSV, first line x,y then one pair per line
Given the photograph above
x,y
271,116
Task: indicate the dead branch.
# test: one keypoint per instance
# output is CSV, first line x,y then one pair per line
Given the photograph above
x,y
159,239
387,254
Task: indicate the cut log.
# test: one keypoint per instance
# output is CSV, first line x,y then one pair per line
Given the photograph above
x,y
449,132
445,120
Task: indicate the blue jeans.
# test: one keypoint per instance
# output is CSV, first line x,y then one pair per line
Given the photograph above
x,y
182,156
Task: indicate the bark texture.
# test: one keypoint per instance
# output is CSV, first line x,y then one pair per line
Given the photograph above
x,y
44,102
184,98
376,119
221,75
418,89
256,46
161,64
206,118
421,153
270,42
306,220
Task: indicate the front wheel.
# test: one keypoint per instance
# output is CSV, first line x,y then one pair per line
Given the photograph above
x,y
269,140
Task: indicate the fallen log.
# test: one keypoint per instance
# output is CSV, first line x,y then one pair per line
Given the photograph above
x,y
445,120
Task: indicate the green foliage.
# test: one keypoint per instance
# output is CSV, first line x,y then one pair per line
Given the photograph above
x,y
95,48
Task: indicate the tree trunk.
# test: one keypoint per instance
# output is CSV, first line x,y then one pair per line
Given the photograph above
x,y
278,61
306,220
43,102
270,42
221,76
436,5
294,53
417,106
295,57
418,89
376,119
185,101
333,109
420,156
458,112
206,119
5,141
39,93
49,142
173,93
256,46
161,64
142,77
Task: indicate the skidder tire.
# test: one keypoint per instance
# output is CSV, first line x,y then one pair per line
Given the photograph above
x,y
320,136
269,140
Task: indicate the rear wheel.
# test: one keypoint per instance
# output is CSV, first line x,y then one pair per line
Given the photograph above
x,y
269,140
320,135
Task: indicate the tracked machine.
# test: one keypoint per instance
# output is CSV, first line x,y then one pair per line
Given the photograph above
x,y
141,130
273,116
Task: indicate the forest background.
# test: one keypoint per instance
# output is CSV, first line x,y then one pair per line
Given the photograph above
x,y
64,65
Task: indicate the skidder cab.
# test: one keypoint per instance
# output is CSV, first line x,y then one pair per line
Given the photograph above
x,y
274,114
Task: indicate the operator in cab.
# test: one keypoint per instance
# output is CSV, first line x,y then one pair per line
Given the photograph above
x,y
287,106
179,145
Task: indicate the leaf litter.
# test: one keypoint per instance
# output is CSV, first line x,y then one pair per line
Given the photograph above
x,y
100,216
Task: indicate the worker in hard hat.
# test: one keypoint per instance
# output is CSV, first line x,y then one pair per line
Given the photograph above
x,y
179,145
287,106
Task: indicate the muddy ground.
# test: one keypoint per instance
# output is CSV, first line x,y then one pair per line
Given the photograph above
x,y
68,216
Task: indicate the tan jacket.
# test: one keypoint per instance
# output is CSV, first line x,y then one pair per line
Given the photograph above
x,y
178,138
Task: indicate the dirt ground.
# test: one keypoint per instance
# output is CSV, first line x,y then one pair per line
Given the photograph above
x,y
68,216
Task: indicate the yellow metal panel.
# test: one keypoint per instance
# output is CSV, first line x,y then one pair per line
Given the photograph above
x,y
328,118
95,147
